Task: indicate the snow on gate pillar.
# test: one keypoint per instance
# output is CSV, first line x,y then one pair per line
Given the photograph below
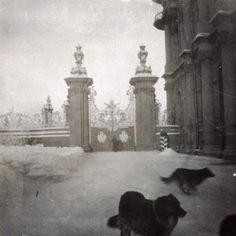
x,y
78,92
143,82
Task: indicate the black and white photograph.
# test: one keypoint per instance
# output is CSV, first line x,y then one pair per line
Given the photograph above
x,y
118,117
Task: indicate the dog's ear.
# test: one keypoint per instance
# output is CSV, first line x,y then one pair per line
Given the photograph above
x,y
210,173
172,197
160,205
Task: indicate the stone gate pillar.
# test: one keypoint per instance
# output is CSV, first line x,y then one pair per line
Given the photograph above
x,y
143,82
78,92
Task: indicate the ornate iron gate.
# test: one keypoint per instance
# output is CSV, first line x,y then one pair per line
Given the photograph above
x,y
112,128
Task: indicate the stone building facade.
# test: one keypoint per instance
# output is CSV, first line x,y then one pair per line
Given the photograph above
x,y
200,72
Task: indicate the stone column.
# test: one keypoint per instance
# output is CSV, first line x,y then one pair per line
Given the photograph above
x,y
203,24
222,21
187,28
78,93
209,132
190,102
144,91
169,99
184,129
169,50
228,51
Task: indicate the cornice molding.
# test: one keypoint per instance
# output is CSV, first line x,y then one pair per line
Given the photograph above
x,y
200,37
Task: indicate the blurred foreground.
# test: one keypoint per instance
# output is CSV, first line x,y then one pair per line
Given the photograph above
x,y
63,191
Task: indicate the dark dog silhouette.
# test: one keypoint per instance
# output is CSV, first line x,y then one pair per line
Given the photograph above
x,y
188,179
146,217
228,226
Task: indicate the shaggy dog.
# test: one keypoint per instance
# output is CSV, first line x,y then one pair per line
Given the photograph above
x,y
188,179
228,226
146,217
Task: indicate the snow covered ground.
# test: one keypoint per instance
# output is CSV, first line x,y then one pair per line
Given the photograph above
x,y
36,160
17,162
80,204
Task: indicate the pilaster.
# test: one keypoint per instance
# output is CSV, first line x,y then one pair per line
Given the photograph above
x,y
228,52
226,36
169,85
209,133
190,102
203,25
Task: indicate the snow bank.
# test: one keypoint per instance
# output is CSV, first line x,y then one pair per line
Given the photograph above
x,y
168,152
39,160
39,149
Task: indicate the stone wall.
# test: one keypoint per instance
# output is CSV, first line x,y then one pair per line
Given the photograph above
x,y
200,74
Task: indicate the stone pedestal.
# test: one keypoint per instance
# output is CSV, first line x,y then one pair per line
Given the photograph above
x,y
145,110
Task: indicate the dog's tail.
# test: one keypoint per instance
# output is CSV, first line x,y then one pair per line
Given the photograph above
x,y
113,222
166,180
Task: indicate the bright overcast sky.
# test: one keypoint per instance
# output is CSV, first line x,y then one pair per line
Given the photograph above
x,y
38,39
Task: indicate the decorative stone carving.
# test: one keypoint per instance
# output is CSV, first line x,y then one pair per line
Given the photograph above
x,y
142,55
79,69
147,91
123,136
101,137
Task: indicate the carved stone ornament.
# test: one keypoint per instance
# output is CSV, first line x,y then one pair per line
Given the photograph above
x,y
124,136
142,55
101,137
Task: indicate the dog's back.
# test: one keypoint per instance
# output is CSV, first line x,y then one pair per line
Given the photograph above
x,y
113,222
188,179
146,217
127,202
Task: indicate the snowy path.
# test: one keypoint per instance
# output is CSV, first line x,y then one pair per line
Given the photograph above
x,y
82,203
